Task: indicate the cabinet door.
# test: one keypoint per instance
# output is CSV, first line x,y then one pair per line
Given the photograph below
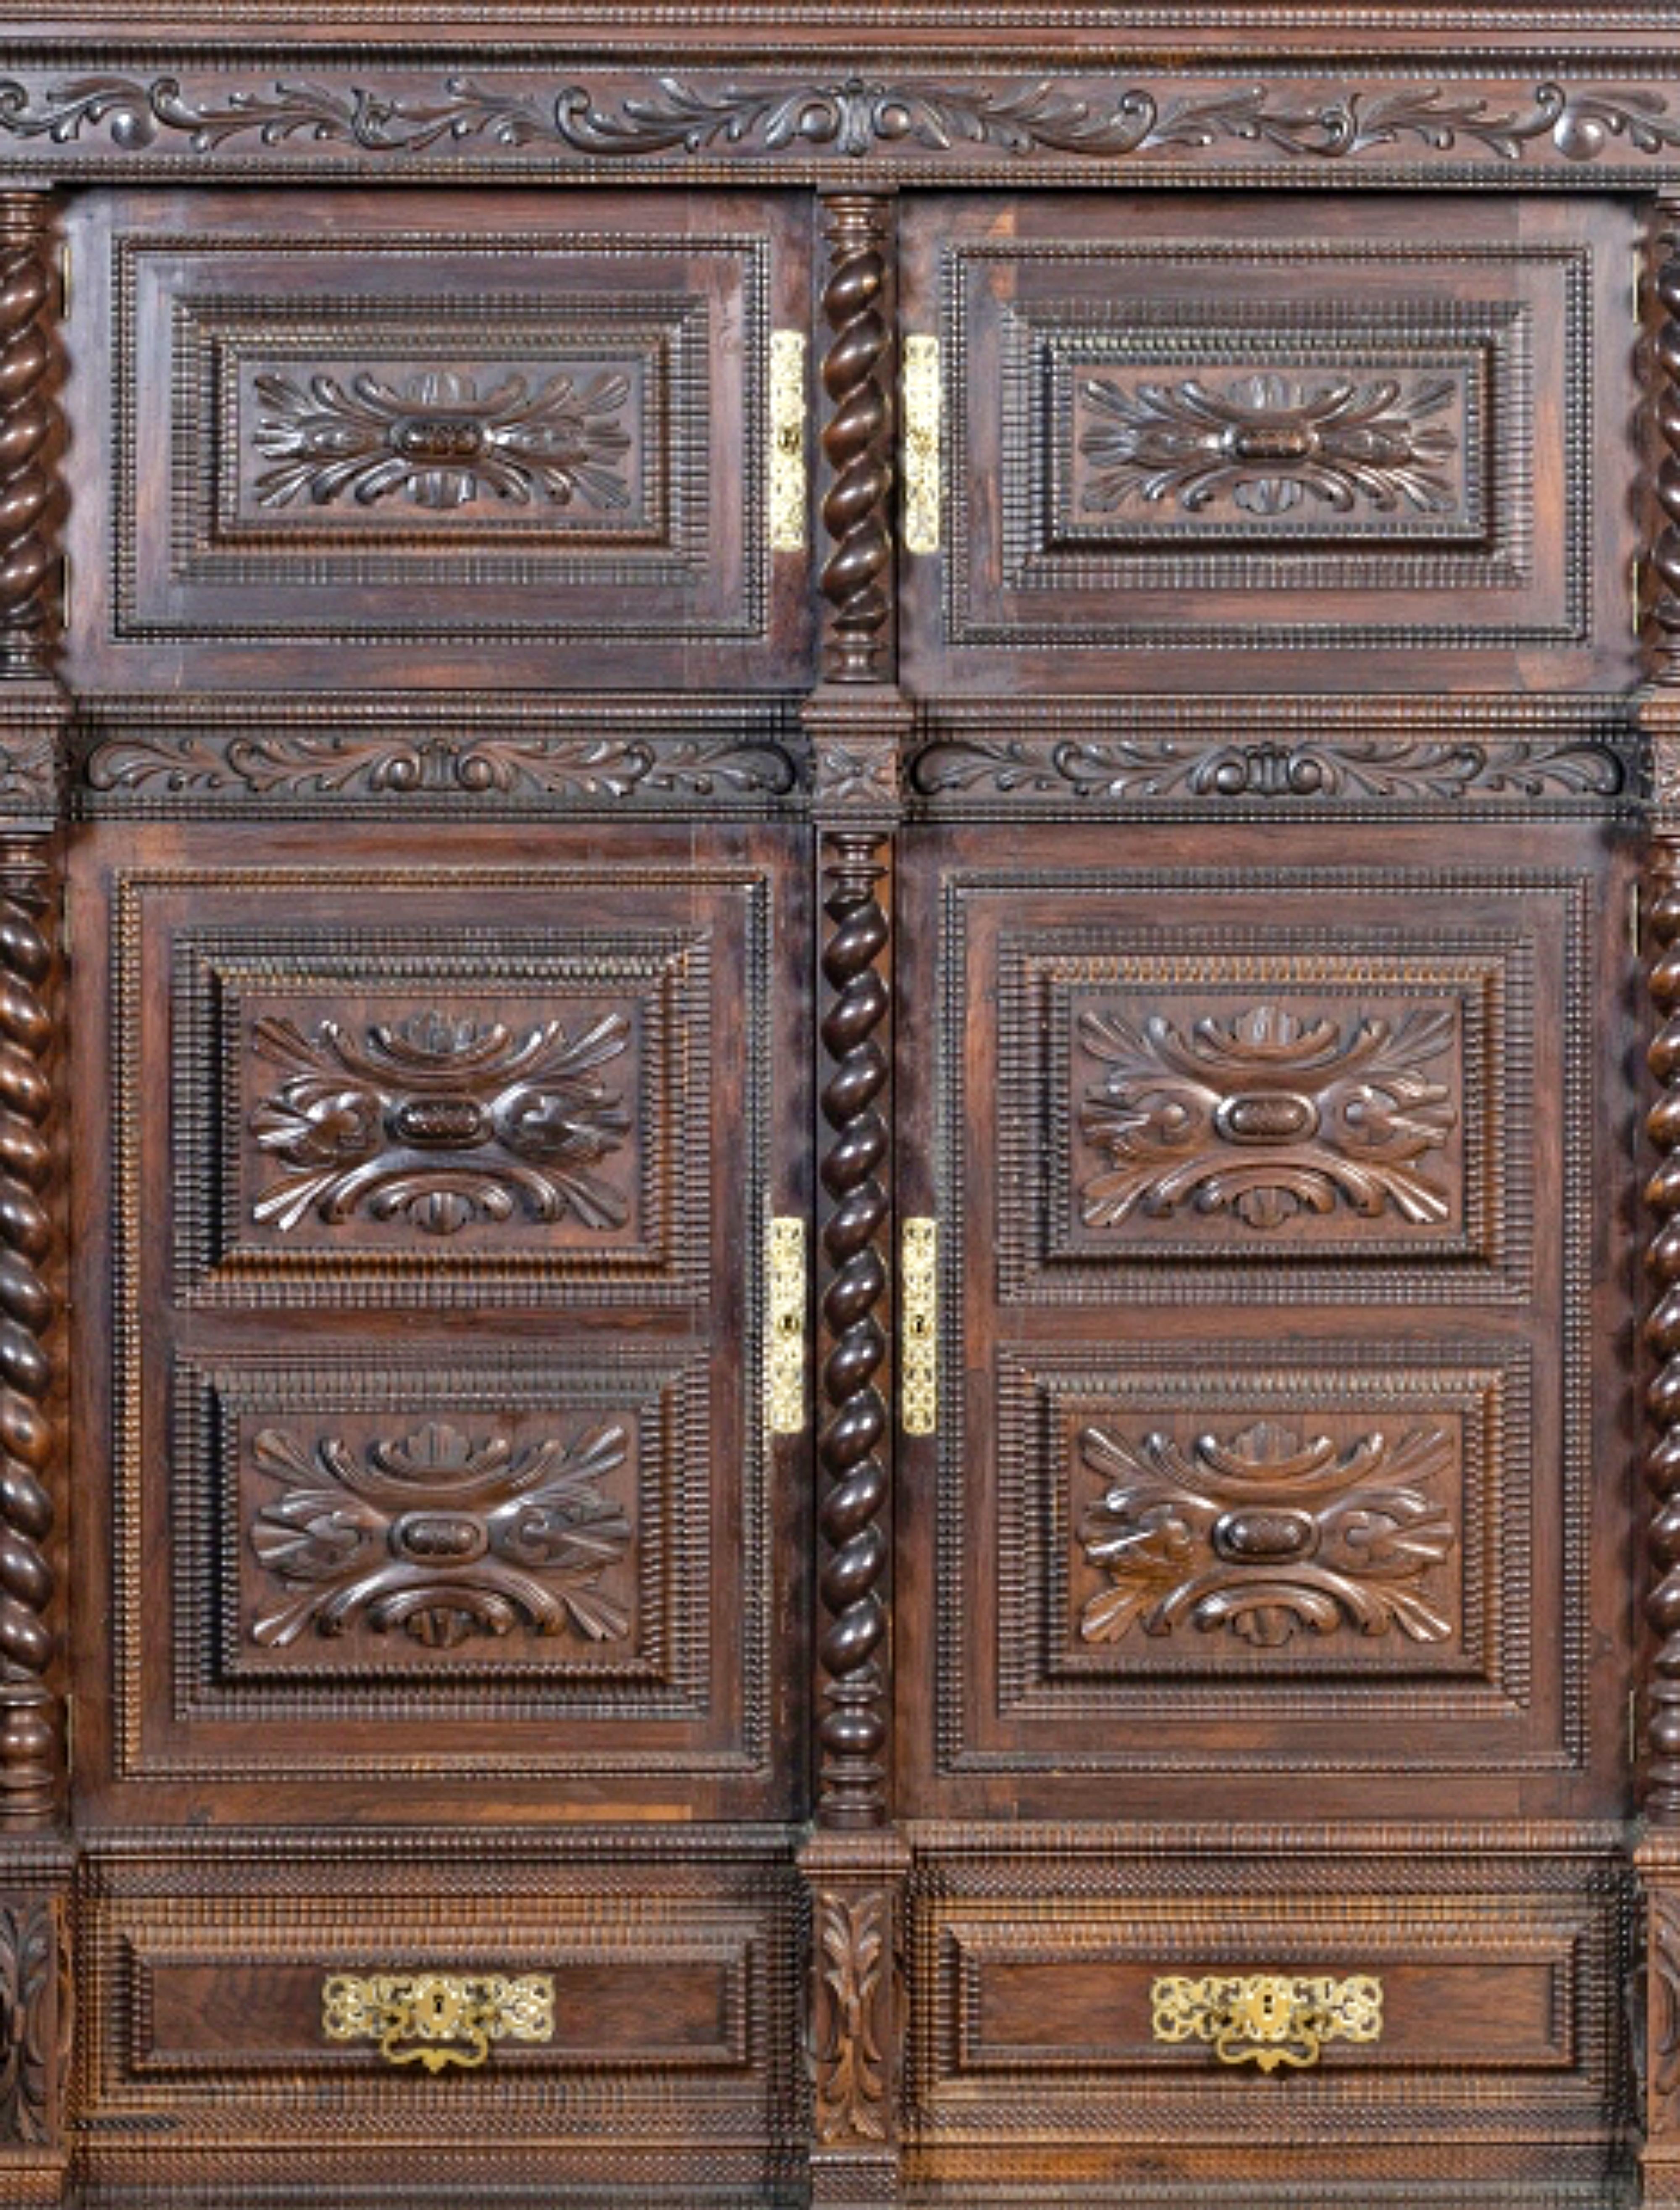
x,y
419,438
426,1221
1227,443
1278,1464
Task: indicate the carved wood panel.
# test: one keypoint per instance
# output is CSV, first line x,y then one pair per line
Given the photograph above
x,y
529,446
1178,439
436,1253
1266,1448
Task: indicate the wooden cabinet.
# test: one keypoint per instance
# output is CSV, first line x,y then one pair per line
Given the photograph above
x,y
836,853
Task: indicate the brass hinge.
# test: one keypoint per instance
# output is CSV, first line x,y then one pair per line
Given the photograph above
x,y
919,1328
63,279
1632,1727
785,1281
788,413
1636,918
1636,593
922,397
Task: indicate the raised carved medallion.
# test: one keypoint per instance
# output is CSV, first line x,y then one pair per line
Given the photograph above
x,y
440,1121
440,1534
1268,444
1264,1115
1266,1533
438,441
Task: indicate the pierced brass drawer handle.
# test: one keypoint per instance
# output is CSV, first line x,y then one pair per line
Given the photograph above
x,y
436,2019
1267,2019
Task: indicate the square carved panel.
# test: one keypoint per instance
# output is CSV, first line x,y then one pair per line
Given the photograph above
x,y
1259,1110
532,442
1178,436
1205,1534
446,1535
363,1113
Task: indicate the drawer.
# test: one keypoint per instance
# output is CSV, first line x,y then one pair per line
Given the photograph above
x,y
429,437
1040,2011
658,2007
1176,437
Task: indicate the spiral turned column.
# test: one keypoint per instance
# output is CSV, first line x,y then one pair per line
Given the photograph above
x,y
1662,1335
29,561
857,441
29,1311
851,1725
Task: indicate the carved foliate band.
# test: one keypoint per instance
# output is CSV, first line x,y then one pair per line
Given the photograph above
x,y
307,115
852,1702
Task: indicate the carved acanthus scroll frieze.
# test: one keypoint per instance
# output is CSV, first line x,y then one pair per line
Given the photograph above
x,y
349,765
670,118
1188,769
439,442
442,1123
1267,1533
1265,1116
441,1535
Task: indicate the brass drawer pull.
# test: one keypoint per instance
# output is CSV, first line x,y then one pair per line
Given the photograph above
x,y
1267,2019
436,2019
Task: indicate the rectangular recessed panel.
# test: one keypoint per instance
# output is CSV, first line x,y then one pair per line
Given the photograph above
x,y
527,442
1268,1455
440,1478
1180,435
1040,2015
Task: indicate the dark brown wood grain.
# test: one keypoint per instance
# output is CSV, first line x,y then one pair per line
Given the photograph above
x,y
504,875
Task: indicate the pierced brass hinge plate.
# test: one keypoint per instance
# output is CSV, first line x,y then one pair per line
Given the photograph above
x,y
788,415
922,400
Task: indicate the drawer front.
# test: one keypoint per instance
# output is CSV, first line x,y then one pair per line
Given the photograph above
x,y
516,441
1039,2011
665,2020
1177,437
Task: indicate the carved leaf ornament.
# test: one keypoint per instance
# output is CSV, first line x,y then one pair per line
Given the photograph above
x,y
441,1535
1266,1534
1268,442
441,1122
1265,1116
438,443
